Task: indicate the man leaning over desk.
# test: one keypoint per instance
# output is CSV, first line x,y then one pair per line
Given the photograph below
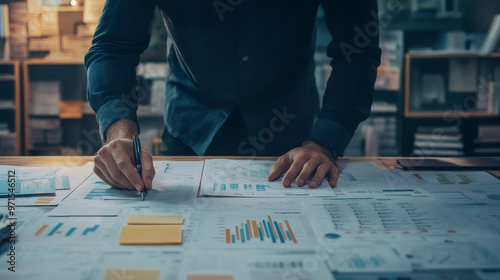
x,y
241,83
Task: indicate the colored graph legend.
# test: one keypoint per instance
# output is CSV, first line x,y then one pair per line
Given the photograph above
x,y
60,230
260,230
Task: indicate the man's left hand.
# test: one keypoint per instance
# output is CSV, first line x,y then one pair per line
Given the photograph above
x,y
308,161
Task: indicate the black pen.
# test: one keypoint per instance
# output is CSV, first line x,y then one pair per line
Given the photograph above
x,y
138,165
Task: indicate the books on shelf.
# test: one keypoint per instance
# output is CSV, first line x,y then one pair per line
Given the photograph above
x,y
494,92
8,144
488,90
462,75
489,133
374,137
44,98
487,142
438,141
45,132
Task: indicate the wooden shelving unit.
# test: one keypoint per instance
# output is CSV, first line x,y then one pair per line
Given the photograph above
x,y
10,100
61,129
440,105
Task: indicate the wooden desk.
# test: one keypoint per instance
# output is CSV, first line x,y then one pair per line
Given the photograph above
x,y
388,163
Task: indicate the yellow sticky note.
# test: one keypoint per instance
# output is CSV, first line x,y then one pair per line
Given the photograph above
x,y
209,277
154,220
113,274
151,235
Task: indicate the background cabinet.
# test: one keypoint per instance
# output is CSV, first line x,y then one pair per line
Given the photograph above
x,y
54,92
451,105
10,108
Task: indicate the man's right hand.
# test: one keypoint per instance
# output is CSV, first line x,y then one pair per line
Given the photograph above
x,y
115,164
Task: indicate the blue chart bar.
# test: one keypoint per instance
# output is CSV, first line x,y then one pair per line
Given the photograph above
x,y
99,192
271,231
55,229
242,234
358,262
261,188
70,231
265,228
279,232
247,231
92,229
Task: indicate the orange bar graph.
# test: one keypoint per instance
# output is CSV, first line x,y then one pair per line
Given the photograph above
x,y
255,229
228,236
249,228
282,231
272,227
291,231
248,231
42,228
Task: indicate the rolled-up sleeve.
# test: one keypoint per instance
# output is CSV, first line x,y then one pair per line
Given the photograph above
x,y
121,36
355,55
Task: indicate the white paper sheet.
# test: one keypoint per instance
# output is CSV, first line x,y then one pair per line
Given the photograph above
x,y
355,258
338,220
174,181
253,265
248,178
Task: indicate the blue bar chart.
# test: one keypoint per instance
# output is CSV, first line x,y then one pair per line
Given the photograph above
x,y
61,229
261,230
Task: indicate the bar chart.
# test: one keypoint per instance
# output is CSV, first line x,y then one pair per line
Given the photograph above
x,y
252,229
101,192
60,229
259,230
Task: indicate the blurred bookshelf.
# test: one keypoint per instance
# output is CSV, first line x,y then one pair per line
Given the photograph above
x,y
10,109
438,41
452,104
54,92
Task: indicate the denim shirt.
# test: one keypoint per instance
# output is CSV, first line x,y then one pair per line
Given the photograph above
x,y
253,55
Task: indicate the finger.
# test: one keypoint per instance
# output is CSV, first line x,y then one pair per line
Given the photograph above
x,y
279,167
148,170
101,171
333,176
292,172
307,171
126,171
320,174
115,173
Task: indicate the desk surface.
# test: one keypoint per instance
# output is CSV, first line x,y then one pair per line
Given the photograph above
x,y
135,252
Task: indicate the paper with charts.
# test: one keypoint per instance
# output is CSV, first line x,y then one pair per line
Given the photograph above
x,y
222,177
